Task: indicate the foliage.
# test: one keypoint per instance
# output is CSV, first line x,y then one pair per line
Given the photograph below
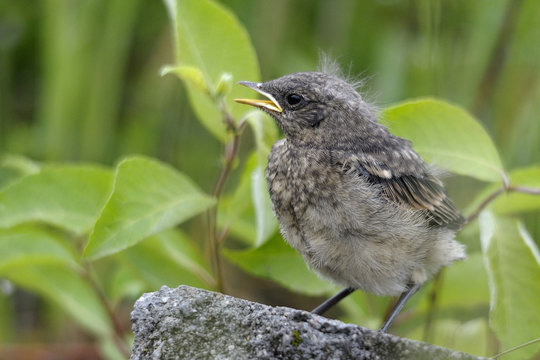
x,y
146,198
88,237
465,147
513,267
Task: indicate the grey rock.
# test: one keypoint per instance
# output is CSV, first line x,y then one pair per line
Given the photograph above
x,y
190,323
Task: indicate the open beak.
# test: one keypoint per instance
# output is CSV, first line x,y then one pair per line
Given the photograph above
x,y
270,104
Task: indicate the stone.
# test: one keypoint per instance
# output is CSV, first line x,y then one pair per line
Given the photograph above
x,y
191,323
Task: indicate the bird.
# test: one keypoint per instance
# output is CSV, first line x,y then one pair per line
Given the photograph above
x,y
363,209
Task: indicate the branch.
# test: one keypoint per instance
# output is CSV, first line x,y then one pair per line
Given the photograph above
x,y
495,194
432,306
516,348
231,150
526,190
484,204
118,333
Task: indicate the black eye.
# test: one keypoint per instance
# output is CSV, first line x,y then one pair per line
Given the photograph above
x,y
293,99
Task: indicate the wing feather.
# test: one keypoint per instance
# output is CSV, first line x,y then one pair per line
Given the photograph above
x,y
410,184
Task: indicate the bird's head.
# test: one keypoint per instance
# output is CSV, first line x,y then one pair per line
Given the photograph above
x,y
313,107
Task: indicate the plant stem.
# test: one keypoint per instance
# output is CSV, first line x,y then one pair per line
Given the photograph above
x,y
215,240
118,333
525,190
484,204
435,289
516,348
495,194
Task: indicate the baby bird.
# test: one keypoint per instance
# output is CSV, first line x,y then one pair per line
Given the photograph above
x,y
362,208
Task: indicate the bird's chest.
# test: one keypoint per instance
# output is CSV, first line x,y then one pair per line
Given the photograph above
x,y
302,186
291,183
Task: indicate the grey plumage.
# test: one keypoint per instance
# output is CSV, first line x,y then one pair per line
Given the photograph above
x,y
357,202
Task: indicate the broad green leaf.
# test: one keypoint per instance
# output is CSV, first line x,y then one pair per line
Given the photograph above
x,y
266,221
358,309
63,286
22,246
14,167
67,196
238,221
224,85
168,258
210,38
184,252
447,136
459,289
122,284
470,336
247,213
109,350
512,262
278,261
236,212
266,134
189,74
147,197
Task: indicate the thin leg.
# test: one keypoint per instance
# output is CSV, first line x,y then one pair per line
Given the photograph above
x,y
403,298
321,309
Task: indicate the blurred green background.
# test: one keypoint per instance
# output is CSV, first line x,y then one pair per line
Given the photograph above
x,y
79,81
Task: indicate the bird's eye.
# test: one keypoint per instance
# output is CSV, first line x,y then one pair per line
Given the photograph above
x,y
293,99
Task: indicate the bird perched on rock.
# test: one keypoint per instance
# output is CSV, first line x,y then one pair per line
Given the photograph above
x,y
362,208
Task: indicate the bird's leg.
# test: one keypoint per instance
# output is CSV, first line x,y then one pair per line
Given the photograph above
x,y
403,298
321,309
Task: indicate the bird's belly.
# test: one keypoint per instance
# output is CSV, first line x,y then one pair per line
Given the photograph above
x,y
336,226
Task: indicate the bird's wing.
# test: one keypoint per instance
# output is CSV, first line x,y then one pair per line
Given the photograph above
x,y
404,179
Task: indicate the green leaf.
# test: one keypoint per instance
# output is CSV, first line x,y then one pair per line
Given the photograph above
x,y
266,134
235,211
189,74
358,309
447,136
67,196
122,284
184,252
14,167
266,221
38,259
470,336
252,221
23,246
459,289
224,85
63,286
512,262
210,38
278,261
109,349
169,258
147,197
